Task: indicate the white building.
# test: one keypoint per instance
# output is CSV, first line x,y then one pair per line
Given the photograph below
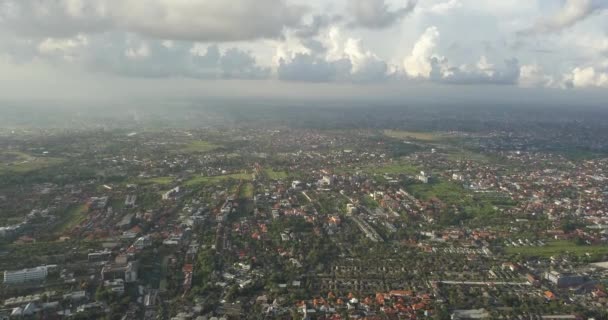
x,y
423,177
326,181
457,177
142,242
25,275
170,194
296,184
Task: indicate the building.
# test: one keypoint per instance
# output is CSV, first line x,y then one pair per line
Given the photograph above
x,y
227,207
99,256
457,177
563,280
170,194
296,185
326,181
423,177
142,242
350,208
25,275
470,314
130,201
126,222
98,203
116,286
126,272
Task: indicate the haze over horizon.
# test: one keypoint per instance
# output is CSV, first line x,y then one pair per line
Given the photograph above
x,y
515,51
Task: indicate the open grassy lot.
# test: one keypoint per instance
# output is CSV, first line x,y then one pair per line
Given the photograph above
x,y
156,180
74,216
415,135
198,146
446,191
246,191
215,179
558,247
275,175
17,256
466,155
394,168
19,162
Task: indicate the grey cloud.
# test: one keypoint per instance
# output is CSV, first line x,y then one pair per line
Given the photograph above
x,y
318,23
315,46
372,71
238,64
571,13
307,68
310,68
116,55
57,18
376,14
508,75
202,20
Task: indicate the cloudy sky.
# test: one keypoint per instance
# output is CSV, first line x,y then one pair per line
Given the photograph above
x,y
112,49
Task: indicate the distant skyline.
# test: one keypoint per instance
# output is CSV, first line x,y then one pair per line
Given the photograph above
x,y
469,50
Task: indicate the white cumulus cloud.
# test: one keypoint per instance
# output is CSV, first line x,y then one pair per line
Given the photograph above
x,y
418,64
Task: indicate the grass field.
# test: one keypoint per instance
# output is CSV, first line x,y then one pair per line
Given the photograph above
x,y
198,146
246,191
215,179
446,191
19,162
467,155
554,248
157,180
74,216
415,135
394,168
275,175
39,253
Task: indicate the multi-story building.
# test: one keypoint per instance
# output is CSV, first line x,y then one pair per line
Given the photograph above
x,y
25,275
125,271
564,279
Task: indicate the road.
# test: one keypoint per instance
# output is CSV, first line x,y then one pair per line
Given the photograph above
x,y
486,283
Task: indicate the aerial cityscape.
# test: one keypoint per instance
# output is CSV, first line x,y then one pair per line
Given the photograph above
x,y
207,160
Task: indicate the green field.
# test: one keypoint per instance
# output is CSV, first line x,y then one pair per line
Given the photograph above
x,y
157,180
216,179
74,216
415,135
43,252
446,191
554,248
466,155
394,168
275,175
19,162
246,191
198,146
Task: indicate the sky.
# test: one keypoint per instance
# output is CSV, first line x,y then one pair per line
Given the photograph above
x,y
106,50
